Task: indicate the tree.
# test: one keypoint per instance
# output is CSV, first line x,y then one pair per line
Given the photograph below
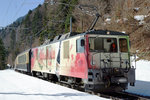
x,y
2,55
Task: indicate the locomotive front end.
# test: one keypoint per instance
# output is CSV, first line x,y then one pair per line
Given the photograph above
x,y
109,66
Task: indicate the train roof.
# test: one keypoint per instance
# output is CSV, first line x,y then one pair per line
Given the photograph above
x,y
71,34
105,32
24,52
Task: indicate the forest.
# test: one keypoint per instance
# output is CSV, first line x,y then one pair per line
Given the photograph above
x,y
48,20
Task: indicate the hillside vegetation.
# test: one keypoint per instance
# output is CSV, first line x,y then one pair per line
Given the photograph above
x,y
2,55
46,21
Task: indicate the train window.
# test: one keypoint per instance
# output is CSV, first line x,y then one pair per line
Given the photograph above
x,y
66,49
22,59
102,44
58,57
91,43
82,42
80,45
123,45
108,40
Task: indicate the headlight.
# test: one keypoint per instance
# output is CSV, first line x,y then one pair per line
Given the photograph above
x,y
122,80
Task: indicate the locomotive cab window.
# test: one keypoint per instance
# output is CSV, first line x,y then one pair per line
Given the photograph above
x,y
123,45
80,45
103,44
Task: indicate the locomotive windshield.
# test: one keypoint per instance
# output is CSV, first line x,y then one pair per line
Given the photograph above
x,y
102,44
123,45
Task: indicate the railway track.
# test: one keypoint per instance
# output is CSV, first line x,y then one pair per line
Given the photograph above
x,y
110,95
124,96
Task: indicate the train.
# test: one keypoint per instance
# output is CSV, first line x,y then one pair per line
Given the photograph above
x,y
97,60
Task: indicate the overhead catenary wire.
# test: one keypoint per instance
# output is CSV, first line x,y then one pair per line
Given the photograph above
x,y
7,11
19,9
92,13
10,27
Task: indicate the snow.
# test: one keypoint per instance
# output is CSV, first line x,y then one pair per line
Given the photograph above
x,y
17,86
140,18
142,85
120,20
124,32
125,19
137,8
8,65
108,20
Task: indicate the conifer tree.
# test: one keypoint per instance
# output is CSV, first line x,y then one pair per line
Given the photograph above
x,y
2,55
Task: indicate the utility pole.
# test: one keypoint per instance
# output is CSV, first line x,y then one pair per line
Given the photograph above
x,y
70,24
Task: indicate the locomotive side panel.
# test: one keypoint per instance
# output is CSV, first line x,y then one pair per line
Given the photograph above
x,y
66,57
38,60
44,58
73,58
52,54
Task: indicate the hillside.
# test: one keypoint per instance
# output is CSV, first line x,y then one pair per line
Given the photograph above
x,y
47,21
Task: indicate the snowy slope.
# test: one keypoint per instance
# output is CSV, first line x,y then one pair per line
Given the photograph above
x,y
16,86
142,85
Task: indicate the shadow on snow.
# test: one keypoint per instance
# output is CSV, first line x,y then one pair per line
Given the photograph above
x,y
40,94
141,88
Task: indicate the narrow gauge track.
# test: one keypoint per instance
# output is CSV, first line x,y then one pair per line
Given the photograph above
x,y
110,95
125,96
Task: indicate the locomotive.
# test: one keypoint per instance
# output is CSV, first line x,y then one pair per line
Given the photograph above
x,y
97,60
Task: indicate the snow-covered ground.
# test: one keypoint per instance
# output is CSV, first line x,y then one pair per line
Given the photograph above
x,y
16,86
142,85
